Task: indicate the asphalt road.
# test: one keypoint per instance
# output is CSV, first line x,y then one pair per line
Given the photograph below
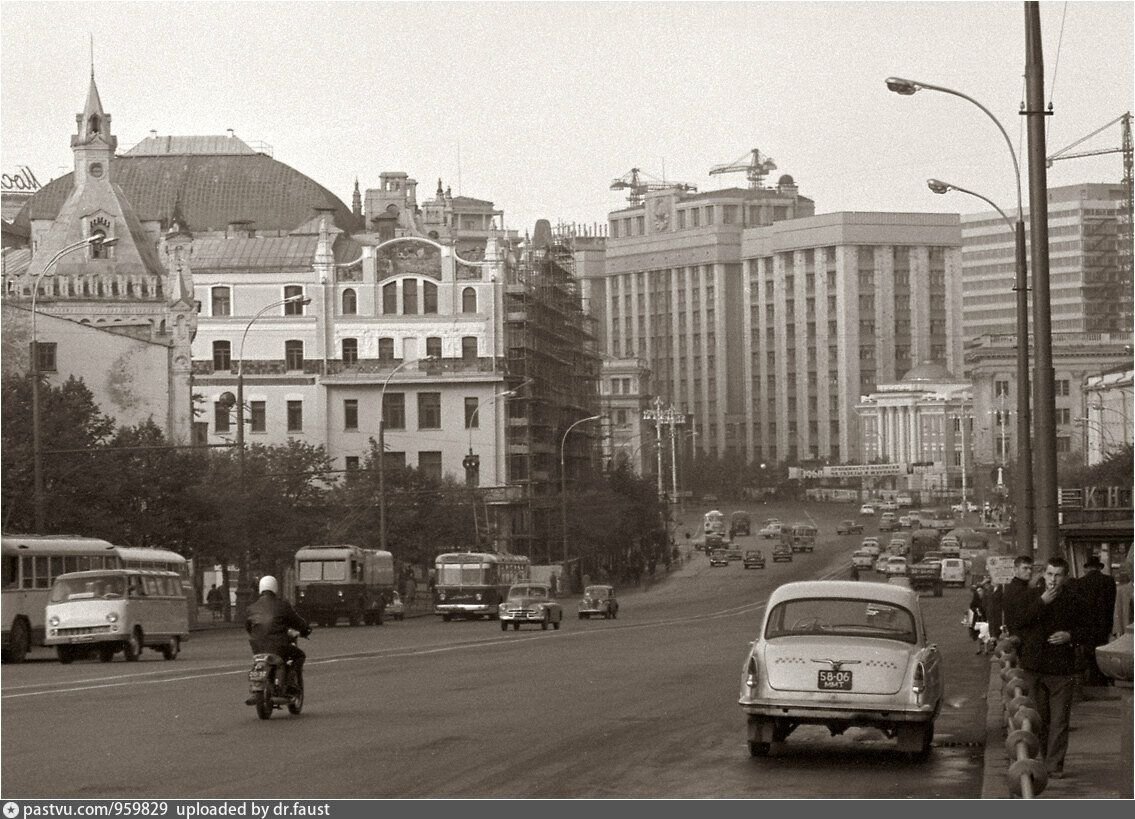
x,y
641,706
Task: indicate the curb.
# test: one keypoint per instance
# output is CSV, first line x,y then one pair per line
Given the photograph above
x,y
995,766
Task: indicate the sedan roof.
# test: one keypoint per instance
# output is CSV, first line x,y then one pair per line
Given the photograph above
x,y
850,589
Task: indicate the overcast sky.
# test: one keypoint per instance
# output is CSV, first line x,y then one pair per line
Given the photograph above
x,y
538,107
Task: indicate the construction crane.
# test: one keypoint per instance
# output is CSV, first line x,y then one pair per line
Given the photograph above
x,y
1124,148
639,183
755,166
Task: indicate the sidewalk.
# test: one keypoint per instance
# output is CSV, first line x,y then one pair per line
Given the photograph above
x,y
1094,767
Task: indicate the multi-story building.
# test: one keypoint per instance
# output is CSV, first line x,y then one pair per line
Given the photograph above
x,y
670,293
1091,286
1108,414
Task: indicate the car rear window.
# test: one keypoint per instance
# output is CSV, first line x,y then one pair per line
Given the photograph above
x,y
841,617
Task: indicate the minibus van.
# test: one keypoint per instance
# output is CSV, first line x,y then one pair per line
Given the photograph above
x,y
106,611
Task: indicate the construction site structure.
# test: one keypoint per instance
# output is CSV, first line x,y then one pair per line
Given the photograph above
x,y
553,365
639,184
752,164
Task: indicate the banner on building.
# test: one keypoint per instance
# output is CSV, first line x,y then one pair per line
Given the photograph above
x,y
849,471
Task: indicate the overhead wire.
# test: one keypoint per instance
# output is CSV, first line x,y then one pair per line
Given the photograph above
x,y
1056,67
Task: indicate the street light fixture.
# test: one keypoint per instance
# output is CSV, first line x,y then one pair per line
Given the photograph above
x,y
40,501
563,481
1025,497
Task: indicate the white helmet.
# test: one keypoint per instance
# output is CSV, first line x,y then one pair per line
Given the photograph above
x,y
268,584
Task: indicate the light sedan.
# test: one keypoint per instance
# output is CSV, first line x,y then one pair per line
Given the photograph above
x,y
530,603
840,654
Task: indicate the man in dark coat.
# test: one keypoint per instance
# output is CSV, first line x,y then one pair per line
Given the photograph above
x,y
1050,625
269,619
1016,594
1098,593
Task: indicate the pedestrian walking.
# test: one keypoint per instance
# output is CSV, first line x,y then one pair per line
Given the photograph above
x,y
1051,624
215,600
977,616
1098,593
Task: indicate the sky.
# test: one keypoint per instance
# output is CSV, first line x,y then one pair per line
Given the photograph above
x,y
539,107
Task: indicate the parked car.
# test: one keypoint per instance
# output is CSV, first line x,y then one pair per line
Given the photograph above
x,y
530,603
895,565
754,559
717,558
599,601
396,609
827,656
849,527
862,560
867,509
782,551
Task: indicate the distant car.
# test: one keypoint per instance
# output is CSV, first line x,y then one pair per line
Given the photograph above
x,y
904,521
530,603
740,524
839,654
895,565
889,506
970,507
709,498
782,551
953,571
888,522
717,558
849,527
862,560
881,562
733,553
772,530
754,559
599,601
904,501
867,509
871,546
396,609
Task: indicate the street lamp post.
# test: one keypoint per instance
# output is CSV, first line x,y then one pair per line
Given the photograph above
x,y
244,588
563,481
40,500
472,460
1025,494
382,449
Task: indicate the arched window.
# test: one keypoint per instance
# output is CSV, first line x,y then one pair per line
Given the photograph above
x,y
429,297
468,300
390,299
386,348
350,302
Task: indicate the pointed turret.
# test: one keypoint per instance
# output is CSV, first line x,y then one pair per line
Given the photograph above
x,y
357,201
94,122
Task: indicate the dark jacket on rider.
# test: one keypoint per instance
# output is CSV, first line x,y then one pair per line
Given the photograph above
x,y
269,619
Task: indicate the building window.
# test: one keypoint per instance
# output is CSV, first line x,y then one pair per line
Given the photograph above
x,y
409,297
222,301
220,418
222,355
293,354
468,300
429,464
200,433
433,347
469,348
621,417
471,405
429,297
350,350
709,214
295,416
394,410
1001,388
351,462
293,308
350,302
98,249
1063,443
386,348
45,355
429,410
1062,387
351,414
681,220
259,420
1064,416
390,299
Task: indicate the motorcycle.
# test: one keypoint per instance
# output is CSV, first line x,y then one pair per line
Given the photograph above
x,y
272,683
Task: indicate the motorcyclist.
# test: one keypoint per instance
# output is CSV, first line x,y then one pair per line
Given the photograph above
x,y
269,619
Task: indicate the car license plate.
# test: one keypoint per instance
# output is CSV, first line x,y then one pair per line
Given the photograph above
x,y
834,681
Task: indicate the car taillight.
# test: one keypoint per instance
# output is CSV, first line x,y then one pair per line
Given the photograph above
x,y
919,683
751,673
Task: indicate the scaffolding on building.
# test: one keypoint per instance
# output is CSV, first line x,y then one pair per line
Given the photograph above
x,y
551,348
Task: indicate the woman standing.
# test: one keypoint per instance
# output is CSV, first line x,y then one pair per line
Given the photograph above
x,y
977,614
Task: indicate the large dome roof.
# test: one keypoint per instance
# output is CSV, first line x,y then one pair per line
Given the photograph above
x,y
934,372
210,191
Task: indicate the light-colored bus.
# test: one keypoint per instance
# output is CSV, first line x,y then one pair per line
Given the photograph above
x,y
32,562
110,610
343,581
474,584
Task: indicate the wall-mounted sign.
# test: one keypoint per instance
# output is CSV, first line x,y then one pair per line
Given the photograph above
x,y
22,181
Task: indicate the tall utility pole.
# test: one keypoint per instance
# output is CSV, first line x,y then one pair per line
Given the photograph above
x,y
1047,524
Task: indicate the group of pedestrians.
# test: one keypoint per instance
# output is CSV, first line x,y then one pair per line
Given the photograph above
x,y
1060,622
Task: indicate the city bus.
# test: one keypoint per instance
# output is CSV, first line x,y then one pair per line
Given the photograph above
x,y
337,581
473,584
32,562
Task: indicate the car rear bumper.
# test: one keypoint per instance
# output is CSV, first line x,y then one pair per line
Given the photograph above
x,y
822,714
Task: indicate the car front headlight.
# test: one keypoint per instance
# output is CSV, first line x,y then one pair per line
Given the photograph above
x,y
53,620
477,597
112,617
